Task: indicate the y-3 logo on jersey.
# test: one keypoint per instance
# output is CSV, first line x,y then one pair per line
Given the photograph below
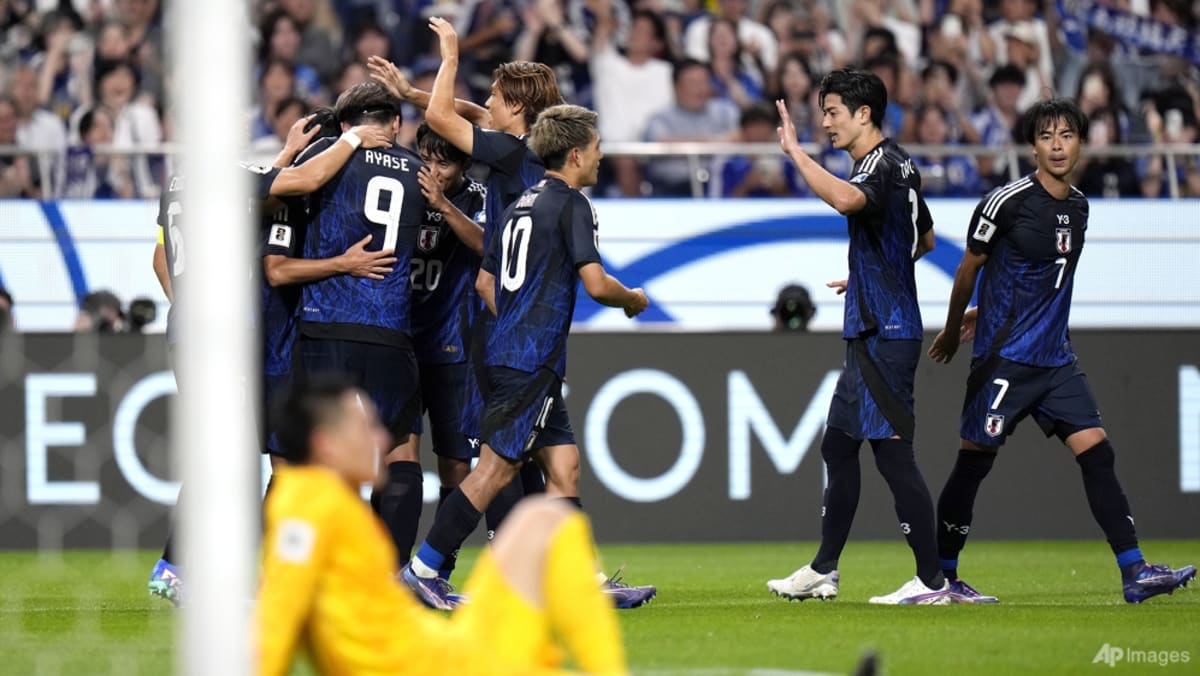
x,y
1062,239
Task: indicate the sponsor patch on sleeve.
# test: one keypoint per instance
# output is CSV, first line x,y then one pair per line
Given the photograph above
x,y
984,230
859,178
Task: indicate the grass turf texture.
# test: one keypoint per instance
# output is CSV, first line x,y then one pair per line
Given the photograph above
x,y
87,613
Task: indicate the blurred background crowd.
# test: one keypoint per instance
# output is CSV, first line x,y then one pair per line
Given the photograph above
x,y
80,79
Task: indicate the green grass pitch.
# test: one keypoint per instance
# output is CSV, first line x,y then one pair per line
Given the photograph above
x,y
87,613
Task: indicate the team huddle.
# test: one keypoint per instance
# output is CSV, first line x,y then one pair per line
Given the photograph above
x,y
394,285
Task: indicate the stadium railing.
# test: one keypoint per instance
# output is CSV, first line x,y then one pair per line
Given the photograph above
x,y
698,155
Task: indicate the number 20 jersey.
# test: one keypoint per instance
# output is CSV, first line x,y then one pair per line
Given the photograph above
x,y
548,233
1033,243
375,194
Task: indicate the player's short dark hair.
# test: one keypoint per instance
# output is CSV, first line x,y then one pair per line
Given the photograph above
x,y
433,144
759,112
309,403
367,103
684,65
857,88
532,85
1007,74
1044,114
324,117
558,130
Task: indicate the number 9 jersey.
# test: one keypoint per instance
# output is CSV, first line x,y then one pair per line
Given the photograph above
x,y
376,193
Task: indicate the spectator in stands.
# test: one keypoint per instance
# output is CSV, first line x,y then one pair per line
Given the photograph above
x,y
793,309
942,175
287,112
996,122
737,77
37,129
143,29
1171,120
780,17
695,116
7,325
100,312
367,40
962,39
887,67
1021,50
547,37
897,16
1098,90
92,175
940,87
759,176
640,69
18,173
281,42
135,124
819,40
796,88
351,73
1019,22
319,31
1101,176
64,76
488,29
757,39
276,83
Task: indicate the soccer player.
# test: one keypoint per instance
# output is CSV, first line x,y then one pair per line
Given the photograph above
x,y
328,588
890,228
1027,238
170,261
361,326
494,136
529,280
444,267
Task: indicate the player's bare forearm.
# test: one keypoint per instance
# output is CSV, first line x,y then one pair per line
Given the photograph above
x,y
839,194
925,244
485,286
313,174
604,288
473,112
284,270
468,232
964,288
162,273
441,115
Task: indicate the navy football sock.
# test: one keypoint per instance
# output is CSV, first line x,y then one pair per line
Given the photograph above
x,y
1109,505
455,521
400,505
502,504
447,567
841,498
914,507
955,508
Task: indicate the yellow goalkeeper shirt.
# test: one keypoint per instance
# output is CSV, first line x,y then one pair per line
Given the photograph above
x,y
328,586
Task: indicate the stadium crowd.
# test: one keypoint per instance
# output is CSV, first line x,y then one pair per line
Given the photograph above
x,y
79,77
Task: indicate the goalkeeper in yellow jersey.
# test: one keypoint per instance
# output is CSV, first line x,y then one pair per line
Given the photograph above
x,y
328,581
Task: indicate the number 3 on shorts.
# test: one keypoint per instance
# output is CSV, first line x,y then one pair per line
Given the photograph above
x,y
999,395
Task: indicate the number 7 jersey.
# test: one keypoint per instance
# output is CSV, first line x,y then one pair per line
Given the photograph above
x,y
1033,242
375,194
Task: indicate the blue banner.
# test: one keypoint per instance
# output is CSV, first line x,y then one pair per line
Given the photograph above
x,y
1129,29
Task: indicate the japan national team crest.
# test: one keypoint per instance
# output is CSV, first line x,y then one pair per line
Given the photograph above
x,y
993,425
427,238
1062,240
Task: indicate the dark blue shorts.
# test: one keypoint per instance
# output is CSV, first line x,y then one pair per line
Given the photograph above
x,y
1000,393
441,396
388,374
874,395
273,387
525,411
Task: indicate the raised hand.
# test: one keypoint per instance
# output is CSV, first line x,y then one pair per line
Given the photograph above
x,y
431,188
387,74
786,129
299,139
359,262
447,37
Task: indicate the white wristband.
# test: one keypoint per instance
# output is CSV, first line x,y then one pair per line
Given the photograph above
x,y
351,138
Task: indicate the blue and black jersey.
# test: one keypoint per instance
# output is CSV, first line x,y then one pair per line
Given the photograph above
x,y
881,294
376,193
443,282
513,169
548,233
1032,241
